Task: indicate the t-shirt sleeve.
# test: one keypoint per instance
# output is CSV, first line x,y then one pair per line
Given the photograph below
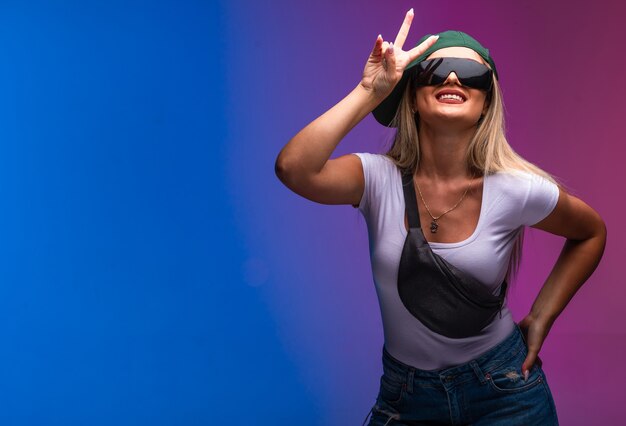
x,y
541,198
366,161
374,171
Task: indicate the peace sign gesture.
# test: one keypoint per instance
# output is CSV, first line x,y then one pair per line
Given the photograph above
x,y
386,64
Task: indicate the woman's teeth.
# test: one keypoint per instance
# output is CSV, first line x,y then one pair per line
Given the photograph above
x,y
450,96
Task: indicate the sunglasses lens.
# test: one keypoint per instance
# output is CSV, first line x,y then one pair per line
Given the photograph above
x,y
470,73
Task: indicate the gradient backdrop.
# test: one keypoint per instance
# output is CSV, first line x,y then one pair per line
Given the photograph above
x,y
154,271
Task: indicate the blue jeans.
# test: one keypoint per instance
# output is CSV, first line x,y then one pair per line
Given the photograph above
x,y
488,390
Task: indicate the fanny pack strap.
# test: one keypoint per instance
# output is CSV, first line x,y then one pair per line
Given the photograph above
x,y
410,199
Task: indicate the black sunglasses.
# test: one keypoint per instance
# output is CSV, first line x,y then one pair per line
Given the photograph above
x,y
470,73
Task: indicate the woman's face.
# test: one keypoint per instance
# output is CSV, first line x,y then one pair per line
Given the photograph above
x,y
437,111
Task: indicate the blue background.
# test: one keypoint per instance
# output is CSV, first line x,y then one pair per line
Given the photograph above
x,y
118,246
155,271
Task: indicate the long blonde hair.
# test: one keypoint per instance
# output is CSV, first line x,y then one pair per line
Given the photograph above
x,y
488,151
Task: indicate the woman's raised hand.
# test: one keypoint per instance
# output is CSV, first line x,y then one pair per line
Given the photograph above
x,y
387,61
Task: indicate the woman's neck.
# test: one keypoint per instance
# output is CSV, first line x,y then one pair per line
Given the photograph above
x,y
443,154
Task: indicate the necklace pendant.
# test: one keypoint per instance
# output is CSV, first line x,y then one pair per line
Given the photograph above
x,y
433,227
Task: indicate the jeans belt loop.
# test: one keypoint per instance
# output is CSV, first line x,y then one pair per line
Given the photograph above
x,y
409,385
478,371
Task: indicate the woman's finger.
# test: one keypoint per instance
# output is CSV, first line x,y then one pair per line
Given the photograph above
x,y
404,30
529,362
377,50
422,47
385,46
391,60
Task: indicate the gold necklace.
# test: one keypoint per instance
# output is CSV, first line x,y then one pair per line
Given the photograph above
x,y
434,225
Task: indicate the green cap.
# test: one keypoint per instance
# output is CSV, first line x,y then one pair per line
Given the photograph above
x,y
385,112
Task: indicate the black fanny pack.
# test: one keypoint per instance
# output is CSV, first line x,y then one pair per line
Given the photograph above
x,y
445,299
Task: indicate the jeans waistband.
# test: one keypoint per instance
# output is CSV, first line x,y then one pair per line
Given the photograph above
x,y
486,362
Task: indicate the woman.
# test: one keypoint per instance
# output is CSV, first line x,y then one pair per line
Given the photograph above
x,y
452,352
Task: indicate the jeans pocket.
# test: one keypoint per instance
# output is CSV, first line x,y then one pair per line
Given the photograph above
x,y
391,389
508,378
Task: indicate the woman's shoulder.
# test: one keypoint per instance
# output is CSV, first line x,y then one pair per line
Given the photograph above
x,y
376,164
380,159
531,195
519,180
515,174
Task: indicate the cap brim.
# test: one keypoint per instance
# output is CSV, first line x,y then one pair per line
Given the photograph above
x,y
385,112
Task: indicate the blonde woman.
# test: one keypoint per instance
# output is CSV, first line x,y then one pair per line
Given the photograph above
x,y
445,209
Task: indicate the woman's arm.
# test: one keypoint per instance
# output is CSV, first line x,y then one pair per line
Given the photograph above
x,y
585,234
303,164
586,237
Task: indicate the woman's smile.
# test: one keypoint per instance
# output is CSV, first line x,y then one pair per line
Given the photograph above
x,y
450,96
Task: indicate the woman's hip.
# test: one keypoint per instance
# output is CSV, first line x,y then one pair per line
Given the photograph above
x,y
488,386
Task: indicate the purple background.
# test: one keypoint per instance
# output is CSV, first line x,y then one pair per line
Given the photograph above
x,y
310,349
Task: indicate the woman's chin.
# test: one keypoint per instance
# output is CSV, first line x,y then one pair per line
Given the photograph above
x,y
448,118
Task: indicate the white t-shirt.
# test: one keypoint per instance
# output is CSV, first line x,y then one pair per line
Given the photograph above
x,y
510,201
